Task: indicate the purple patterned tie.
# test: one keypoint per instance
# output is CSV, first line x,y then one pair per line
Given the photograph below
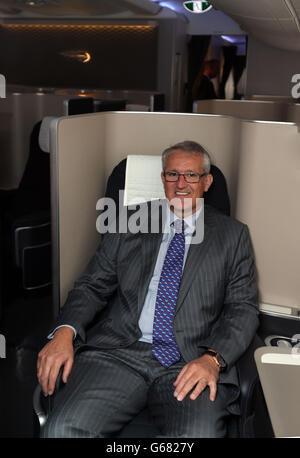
x,y
164,346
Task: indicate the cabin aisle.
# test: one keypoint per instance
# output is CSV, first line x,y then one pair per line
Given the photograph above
x,y
24,323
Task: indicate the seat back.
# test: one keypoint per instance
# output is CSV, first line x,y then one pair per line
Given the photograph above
x,y
109,105
29,218
32,250
33,194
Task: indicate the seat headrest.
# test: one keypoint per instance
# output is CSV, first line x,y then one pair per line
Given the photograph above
x,y
44,134
142,180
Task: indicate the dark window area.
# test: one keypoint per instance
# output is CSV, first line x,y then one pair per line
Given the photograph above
x,y
101,56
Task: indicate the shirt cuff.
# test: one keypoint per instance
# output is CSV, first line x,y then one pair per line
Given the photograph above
x,y
51,335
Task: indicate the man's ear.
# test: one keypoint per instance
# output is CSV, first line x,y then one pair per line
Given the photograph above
x,y
162,177
208,181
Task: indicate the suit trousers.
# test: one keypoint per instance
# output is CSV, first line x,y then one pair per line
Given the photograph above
x,y
107,388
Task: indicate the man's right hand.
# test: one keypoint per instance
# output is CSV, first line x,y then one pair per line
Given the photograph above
x,y
56,353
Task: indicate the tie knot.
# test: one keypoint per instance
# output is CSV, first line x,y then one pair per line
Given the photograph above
x,y
179,225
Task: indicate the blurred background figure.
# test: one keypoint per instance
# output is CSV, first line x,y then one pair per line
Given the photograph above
x,y
203,87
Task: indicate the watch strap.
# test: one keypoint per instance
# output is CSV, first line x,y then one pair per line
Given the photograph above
x,y
217,359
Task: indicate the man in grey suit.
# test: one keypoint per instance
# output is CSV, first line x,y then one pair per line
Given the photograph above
x,y
134,345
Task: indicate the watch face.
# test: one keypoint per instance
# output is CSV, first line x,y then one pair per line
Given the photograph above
x,y
220,361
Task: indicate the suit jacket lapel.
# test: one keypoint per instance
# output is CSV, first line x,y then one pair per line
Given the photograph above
x,y
150,244
195,258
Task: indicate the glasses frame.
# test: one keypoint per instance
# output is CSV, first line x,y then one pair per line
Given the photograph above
x,y
200,175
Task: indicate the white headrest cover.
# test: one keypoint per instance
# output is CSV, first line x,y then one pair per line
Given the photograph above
x,y
44,135
142,180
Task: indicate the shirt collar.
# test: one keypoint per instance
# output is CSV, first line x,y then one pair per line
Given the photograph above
x,y
189,221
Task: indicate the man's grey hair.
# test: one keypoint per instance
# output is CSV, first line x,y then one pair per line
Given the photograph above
x,y
188,146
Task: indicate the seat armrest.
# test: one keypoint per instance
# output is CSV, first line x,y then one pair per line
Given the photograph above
x,y
248,376
42,405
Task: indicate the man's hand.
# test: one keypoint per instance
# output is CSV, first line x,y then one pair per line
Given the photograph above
x,y
197,374
56,353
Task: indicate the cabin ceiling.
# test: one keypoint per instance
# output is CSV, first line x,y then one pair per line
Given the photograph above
x,y
274,22
78,8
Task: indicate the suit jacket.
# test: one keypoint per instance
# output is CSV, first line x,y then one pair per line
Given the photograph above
x,y
217,306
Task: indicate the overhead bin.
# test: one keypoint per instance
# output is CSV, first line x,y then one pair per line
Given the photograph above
x,y
260,161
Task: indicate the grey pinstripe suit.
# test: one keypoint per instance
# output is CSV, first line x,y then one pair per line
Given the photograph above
x,y
216,308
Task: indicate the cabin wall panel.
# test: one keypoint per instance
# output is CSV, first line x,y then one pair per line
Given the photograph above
x,y
269,69
268,190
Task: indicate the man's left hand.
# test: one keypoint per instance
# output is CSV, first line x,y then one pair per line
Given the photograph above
x,y
197,374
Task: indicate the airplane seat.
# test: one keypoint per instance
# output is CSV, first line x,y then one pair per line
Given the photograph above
x,y
157,102
243,425
33,193
27,222
109,105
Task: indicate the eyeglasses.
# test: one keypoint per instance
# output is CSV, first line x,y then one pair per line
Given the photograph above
x,y
190,177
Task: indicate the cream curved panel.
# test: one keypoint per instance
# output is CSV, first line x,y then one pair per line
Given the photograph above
x,y
268,202
261,163
244,109
150,133
86,148
77,170
279,373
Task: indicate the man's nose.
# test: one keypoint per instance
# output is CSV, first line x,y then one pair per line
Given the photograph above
x,y
181,183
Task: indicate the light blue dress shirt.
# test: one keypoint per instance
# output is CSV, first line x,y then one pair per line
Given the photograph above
x,y
147,315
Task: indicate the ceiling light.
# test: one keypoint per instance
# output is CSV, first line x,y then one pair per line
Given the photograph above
x,y
197,6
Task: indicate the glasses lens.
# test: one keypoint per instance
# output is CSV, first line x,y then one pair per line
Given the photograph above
x,y
191,177
171,176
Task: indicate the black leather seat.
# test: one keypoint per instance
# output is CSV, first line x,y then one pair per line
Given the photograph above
x,y
238,426
27,224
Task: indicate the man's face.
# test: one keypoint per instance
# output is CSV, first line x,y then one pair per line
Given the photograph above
x,y
214,70
182,194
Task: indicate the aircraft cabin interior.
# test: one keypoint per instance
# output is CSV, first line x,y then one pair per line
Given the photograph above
x,y
86,86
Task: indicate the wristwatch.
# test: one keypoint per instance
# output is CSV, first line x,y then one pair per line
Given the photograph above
x,y
220,362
